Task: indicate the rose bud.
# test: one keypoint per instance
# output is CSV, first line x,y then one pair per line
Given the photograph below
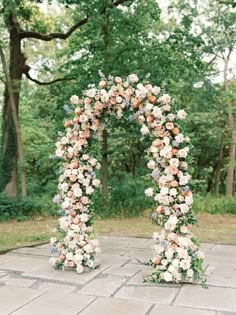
x,y
78,110
174,151
67,123
62,257
156,260
152,98
102,84
175,131
150,118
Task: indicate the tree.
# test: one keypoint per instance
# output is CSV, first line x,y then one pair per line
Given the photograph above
x,y
220,38
13,13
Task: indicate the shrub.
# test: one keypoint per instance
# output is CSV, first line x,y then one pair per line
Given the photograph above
x,y
215,205
21,210
126,198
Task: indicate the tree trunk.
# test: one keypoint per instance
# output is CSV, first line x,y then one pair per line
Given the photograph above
x,y
16,124
219,163
8,167
231,123
105,134
231,162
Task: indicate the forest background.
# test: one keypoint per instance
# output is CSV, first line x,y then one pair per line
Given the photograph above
x,y
55,49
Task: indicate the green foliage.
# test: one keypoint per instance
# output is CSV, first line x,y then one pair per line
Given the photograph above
x,y
169,50
215,205
17,209
125,198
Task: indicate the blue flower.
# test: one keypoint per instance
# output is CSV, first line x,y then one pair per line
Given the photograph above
x,y
67,109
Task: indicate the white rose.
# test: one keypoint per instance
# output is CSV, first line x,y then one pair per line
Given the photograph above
x,y
185,264
144,130
184,208
156,90
173,219
164,191
78,258
183,180
59,152
89,190
69,256
84,200
74,99
173,192
167,276
79,268
88,248
64,140
96,182
157,113
189,273
169,254
64,187
91,92
179,138
174,162
77,192
133,78
149,107
165,98
149,192
189,200
151,164
65,204
183,152
166,140
181,114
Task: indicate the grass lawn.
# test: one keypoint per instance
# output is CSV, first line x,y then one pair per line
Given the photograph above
x,y
212,228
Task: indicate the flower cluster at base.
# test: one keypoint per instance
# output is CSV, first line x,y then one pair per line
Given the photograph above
x,y
177,256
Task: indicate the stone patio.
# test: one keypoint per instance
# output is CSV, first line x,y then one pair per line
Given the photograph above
x,y
28,285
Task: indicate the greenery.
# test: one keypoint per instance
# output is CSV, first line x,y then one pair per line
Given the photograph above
x,y
181,53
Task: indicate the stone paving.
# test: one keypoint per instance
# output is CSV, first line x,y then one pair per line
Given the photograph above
x,y
28,285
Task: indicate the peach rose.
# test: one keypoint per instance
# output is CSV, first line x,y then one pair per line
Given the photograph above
x,y
152,98
135,102
118,80
78,110
169,125
150,118
113,100
67,123
98,106
175,131
156,260
102,84
73,178
157,143
70,194
75,164
62,257
173,183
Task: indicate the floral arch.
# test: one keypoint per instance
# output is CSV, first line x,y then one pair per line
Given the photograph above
x,y
177,256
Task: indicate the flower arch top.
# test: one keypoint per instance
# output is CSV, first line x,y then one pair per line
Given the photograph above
x,y
177,256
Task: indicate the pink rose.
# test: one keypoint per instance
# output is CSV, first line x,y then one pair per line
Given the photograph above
x,y
118,80
169,125
133,78
74,99
102,84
